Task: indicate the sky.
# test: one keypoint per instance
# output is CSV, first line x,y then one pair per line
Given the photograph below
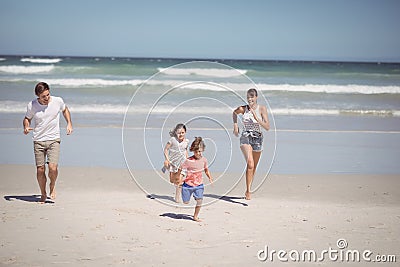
x,y
316,30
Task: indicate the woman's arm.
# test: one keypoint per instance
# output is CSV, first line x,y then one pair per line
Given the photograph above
x,y
239,110
263,121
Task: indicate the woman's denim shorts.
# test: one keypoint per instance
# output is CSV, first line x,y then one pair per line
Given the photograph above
x,y
255,139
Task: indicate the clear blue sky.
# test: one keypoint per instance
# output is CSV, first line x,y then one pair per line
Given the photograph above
x,y
342,30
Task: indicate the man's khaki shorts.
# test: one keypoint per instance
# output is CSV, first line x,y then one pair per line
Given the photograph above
x,y
49,149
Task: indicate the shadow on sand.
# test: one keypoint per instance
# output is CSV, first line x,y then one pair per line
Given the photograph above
x,y
227,199
155,196
177,216
28,198
224,198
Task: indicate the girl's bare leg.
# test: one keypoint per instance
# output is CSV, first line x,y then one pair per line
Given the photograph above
x,y
176,179
178,193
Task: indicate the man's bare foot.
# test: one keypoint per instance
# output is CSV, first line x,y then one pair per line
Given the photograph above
x,y
196,219
247,195
53,194
42,199
53,190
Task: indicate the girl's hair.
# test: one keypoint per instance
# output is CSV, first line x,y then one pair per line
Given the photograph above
x,y
252,92
197,144
172,133
41,87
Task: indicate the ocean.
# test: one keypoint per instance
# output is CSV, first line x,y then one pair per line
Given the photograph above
x,y
335,103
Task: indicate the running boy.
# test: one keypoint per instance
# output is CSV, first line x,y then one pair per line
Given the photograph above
x,y
193,183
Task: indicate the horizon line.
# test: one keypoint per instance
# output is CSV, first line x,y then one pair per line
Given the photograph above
x,y
208,59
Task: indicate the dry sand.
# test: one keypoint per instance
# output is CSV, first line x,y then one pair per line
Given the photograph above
x,y
101,218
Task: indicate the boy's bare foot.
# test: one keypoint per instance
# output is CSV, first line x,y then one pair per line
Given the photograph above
x,y
247,195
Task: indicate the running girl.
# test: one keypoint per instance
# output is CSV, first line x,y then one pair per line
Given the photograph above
x,y
175,153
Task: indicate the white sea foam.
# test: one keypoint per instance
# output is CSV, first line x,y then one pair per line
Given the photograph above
x,y
328,88
308,88
92,82
305,112
8,106
278,111
165,84
20,107
336,112
222,73
2,59
14,69
98,109
199,84
42,60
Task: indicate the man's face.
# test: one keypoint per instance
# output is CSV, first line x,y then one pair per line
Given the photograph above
x,y
44,97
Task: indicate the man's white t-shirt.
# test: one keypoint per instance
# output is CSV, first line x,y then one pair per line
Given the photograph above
x,y
46,118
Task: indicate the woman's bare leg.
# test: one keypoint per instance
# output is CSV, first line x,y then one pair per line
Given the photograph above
x,y
247,151
256,158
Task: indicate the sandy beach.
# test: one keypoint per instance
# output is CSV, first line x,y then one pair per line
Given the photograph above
x,y
331,159
102,218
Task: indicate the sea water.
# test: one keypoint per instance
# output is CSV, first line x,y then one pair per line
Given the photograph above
x,y
347,101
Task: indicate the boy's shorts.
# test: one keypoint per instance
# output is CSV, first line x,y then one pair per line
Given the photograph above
x,y
188,190
49,149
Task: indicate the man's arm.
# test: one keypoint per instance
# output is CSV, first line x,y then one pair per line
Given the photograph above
x,y
27,125
67,116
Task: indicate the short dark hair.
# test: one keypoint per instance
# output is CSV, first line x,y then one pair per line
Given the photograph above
x,y
197,144
41,87
252,92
